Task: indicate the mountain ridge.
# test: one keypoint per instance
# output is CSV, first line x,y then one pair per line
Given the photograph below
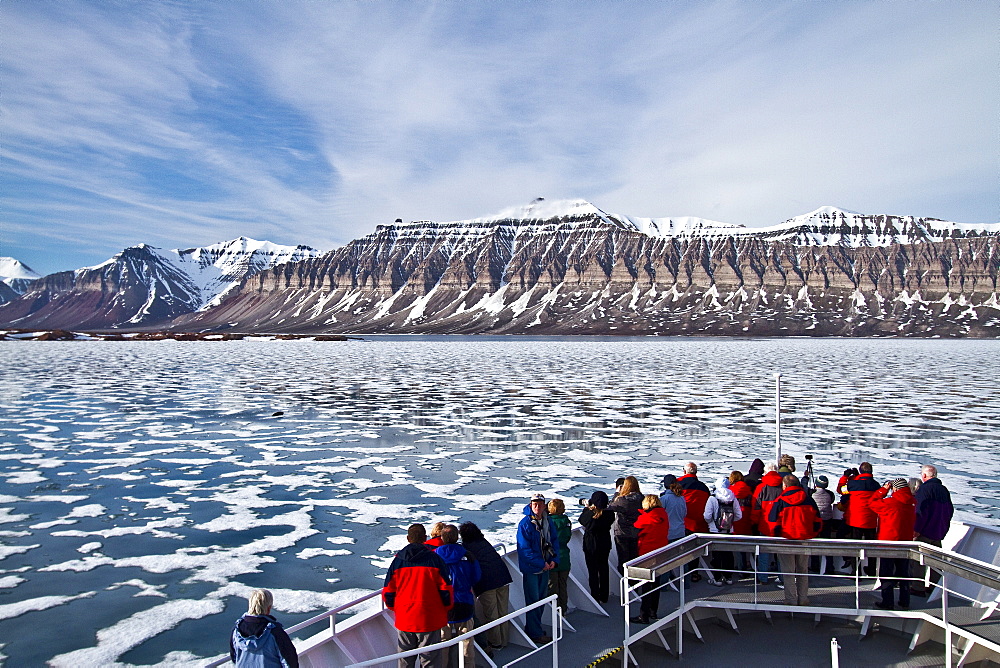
x,y
567,266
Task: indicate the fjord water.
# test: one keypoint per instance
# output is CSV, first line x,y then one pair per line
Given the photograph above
x,y
148,486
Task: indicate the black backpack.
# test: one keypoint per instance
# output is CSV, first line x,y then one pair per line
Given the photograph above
x,y
725,517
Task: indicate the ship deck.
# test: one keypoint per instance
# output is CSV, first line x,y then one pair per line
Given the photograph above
x,y
773,638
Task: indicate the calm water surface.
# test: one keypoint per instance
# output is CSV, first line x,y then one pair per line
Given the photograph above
x,y
148,486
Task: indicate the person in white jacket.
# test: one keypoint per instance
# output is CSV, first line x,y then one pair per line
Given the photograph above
x,y
721,511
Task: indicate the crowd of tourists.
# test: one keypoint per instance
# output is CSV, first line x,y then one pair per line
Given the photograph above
x,y
435,582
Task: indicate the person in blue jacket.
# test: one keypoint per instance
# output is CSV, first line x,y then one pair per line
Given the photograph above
x,y
463,567
258,640
537,554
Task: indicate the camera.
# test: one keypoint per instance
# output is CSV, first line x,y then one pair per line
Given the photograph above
x,y
584,502
809,456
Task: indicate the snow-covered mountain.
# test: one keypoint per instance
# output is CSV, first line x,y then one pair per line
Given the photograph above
x,y
557,267
15,277
826,226
144,285
569,267
221,267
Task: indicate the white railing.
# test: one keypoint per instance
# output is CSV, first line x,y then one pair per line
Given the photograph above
x,y
957,569
557,631
556,621
330,614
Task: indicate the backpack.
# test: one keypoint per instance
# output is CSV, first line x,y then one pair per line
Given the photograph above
x,y
257,652
725,517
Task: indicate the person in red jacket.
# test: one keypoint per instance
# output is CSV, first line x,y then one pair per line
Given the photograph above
x,y
743,526
859,515
695,494
795,517
654,528
435,540
764,497
741,490
896,517
418,589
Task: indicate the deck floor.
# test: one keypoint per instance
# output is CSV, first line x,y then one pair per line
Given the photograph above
x,y
785,639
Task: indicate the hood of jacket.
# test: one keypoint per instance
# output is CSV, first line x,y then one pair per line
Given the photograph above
x,y
793,495
740,489
756,468
417,552
250,627
903,495
771,479
451,553
722,491
653,516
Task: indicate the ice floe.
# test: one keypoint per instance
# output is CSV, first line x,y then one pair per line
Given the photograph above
x,y
181,481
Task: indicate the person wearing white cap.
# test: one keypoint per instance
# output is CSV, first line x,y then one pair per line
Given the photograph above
x,y
537,554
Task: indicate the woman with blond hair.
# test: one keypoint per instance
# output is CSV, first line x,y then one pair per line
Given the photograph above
x,y
258,640
435,540
626,506
653,526
559,576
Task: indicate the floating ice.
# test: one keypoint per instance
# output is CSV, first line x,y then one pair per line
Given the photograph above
x,y
223,497
11,610
114,641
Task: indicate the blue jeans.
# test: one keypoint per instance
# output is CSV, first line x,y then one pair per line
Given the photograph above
x,y
536,587
765,564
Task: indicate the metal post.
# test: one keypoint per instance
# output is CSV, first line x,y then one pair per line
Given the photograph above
x,y
777,417
680,617
947,624
834,653
556,632
623,589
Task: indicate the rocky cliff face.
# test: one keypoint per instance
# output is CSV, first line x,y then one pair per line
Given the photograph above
x,y
579,270
138,285
143,286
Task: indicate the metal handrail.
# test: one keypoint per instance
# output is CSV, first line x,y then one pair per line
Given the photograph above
x,y
331,614
556,636
650,567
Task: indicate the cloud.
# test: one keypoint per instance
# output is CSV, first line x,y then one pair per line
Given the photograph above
x,y
302,122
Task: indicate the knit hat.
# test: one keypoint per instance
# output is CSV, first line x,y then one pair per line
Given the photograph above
x,y
669,480
598,500
899,483
822,481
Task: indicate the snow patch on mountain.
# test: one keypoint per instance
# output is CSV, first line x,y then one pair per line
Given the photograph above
x,y
16,277
221,267
826,226
12,268
202,277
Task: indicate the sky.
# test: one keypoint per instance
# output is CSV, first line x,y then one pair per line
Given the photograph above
x,y
182,124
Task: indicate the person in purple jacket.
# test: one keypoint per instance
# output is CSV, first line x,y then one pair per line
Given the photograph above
x,y
934,512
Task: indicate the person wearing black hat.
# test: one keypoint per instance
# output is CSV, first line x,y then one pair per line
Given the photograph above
x,y
823,498
597,521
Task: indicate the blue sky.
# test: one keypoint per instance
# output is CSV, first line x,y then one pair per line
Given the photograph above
x,y
183,124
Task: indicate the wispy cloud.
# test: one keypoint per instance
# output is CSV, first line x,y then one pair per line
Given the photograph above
x,y
310,122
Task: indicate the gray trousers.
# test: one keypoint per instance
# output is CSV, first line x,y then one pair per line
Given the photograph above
x,y
796,578
411,640
492,605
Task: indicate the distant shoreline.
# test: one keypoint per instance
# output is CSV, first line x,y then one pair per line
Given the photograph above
x,y
66,335
69,335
